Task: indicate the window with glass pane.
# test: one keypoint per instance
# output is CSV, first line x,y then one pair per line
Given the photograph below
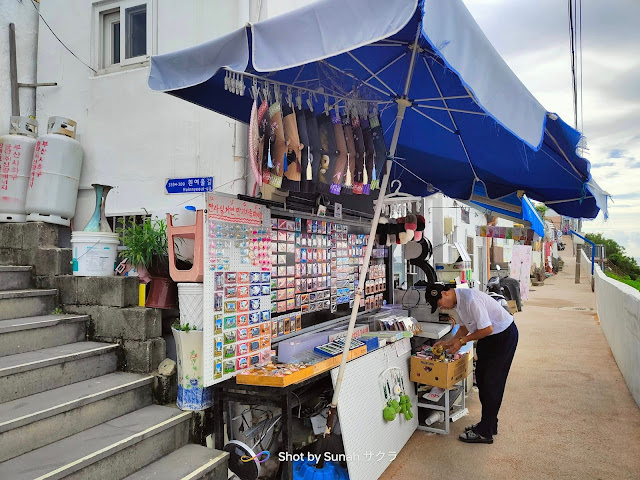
x,y
115,36
110,38
136,31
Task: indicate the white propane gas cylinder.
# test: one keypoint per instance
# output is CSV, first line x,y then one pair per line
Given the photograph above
x,y
55,174
16,154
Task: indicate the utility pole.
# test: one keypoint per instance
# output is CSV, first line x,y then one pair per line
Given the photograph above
x,y
13,71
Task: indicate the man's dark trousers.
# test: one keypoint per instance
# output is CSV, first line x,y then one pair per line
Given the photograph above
x,y
495,354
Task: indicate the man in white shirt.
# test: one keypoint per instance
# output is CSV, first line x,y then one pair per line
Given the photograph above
x,y
492,327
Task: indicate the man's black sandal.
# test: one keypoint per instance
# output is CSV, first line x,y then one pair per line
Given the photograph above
x,y
471,427
472,437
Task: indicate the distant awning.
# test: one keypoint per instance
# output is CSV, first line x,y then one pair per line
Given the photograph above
x,y
511,207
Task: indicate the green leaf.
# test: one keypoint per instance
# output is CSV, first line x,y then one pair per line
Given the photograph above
x,y
144,243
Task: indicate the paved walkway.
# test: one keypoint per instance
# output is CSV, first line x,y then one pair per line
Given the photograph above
x,y
567,412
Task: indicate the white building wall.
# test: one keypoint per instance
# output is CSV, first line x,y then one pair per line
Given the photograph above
x,y
133,138
25,18
437,207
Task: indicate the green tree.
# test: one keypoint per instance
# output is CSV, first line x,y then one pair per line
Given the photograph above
x,y
616,255
542,210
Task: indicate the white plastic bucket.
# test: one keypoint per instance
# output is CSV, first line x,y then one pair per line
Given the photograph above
x,y
94,253
191,300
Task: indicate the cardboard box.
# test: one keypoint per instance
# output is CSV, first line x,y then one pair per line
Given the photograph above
x,y
513,307
439,374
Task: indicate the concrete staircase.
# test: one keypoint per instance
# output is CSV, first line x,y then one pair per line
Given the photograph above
x,y
65,412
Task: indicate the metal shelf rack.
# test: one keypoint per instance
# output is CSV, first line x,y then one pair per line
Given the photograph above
x,y
446,404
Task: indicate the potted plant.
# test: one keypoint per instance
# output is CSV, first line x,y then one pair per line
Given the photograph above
x,y
146,248
192,395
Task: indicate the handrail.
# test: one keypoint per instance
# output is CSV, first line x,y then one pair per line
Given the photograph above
x,y
593,249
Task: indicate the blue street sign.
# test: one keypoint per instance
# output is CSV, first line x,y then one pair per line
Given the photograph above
x,y
189,185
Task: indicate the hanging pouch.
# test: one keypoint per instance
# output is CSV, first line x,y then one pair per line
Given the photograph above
x,y
264,131
314,152
368,155
341,161
278,146
306,173
328,153
291,180
380,150
358,139
351,153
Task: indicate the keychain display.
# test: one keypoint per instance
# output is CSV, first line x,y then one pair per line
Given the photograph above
x,y
396,401
315,267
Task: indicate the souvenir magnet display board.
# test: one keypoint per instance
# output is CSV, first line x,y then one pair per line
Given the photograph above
x,y
315,267
237,287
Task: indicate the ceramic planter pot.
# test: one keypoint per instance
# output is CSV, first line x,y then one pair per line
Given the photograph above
x,y
189,351
163,293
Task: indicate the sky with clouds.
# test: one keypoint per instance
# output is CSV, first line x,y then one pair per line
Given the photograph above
x,y
533,38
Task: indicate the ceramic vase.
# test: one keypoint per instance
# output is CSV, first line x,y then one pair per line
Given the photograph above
x,y
192,395
98,221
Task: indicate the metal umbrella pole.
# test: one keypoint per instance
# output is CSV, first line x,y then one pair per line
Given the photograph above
x,y
402,103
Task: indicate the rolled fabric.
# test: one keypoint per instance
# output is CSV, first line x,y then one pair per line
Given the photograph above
x,y
328,157
306,172
393,232
404,234
341,160
314,152
411,222
358,179
294,150
382,231
417,236
368,153
351,152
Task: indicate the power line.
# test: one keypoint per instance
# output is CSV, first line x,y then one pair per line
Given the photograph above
x,y
58,38
573,62
581,70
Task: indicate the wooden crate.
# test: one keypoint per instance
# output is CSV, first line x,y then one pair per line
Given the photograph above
x,y
333,362
271,381
248,378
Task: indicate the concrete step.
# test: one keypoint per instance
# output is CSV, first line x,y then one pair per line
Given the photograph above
x,y
111,450
25,334
15,278
27,303
29,373
38,420
192,462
